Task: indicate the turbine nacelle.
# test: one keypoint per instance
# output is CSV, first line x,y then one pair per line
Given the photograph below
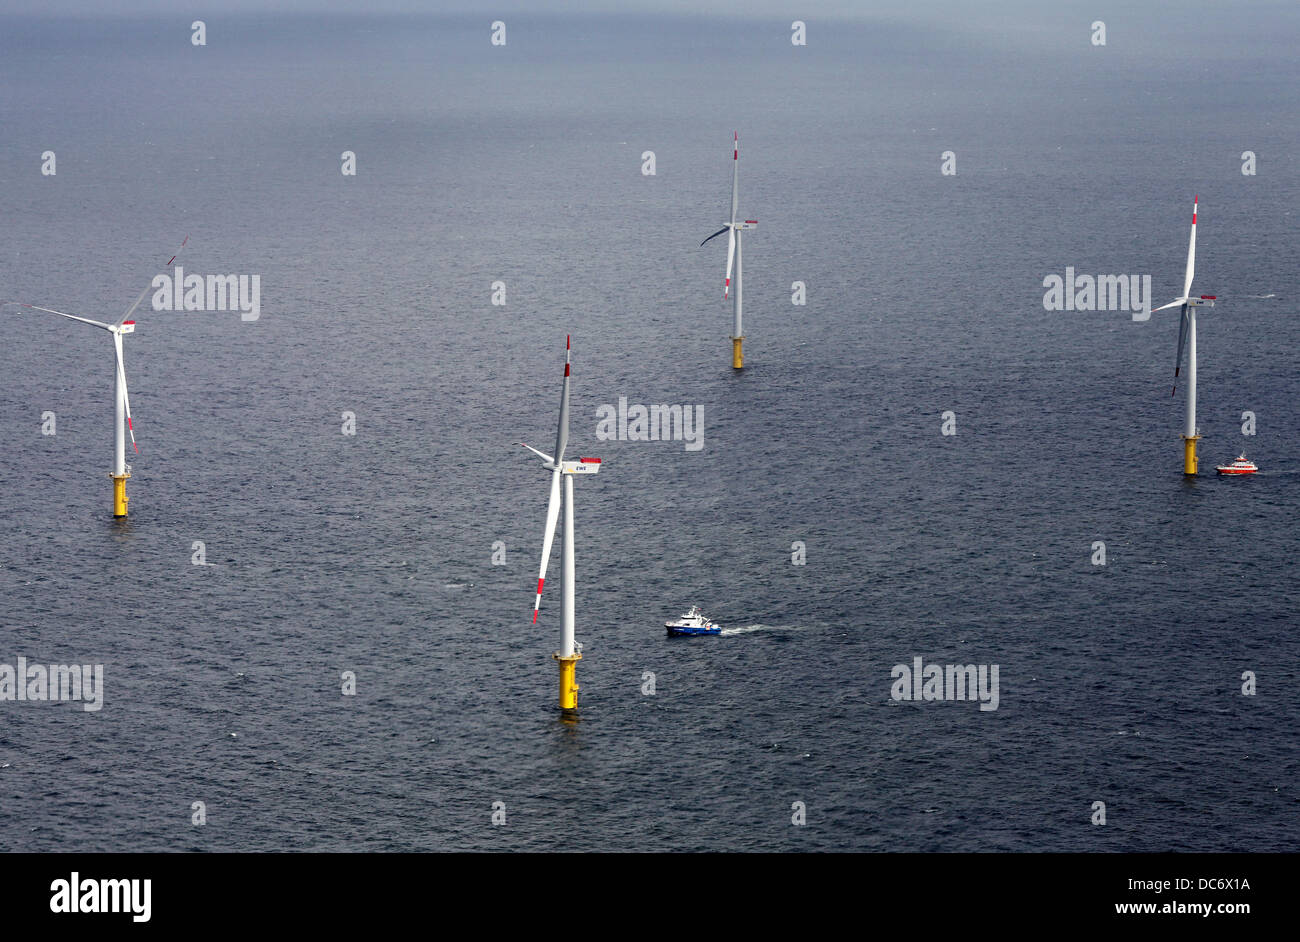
x,y
581,466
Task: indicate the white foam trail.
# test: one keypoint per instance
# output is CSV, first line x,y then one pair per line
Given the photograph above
x,y
749,629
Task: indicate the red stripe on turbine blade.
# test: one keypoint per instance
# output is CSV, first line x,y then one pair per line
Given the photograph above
x,y
172,259
590,460
534,616
566,369
1209,297
539,587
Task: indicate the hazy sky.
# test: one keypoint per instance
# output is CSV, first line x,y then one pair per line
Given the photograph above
x,y
991,18
486,8
809,10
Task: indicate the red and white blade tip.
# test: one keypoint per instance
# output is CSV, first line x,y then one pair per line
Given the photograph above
x,y
173,258
537,604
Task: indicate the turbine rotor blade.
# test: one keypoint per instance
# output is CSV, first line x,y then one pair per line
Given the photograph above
x,y
75,317
562,431
131,309
1182,342
735,173
1191,253
731,256
1174,303
716,234
178,252
541,454
126,398
552,516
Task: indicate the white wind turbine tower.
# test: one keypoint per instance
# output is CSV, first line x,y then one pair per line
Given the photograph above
x,y
122,402
1187,337
733,252
567,656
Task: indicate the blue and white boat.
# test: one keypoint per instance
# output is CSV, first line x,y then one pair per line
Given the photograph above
x,y
693,622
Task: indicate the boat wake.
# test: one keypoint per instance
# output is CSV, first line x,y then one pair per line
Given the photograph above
x,y
750,629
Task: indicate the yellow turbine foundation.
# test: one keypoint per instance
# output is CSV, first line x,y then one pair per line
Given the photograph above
x,y
568,681
737,354
119,494
1189,453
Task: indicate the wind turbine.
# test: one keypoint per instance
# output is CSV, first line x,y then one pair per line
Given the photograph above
x,y
1187,337
122,423
733,252
567,656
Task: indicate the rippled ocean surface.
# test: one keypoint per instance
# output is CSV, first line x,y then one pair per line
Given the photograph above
x,y
373,553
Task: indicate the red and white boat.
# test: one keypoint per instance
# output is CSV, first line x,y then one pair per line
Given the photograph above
x,y
1240,466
